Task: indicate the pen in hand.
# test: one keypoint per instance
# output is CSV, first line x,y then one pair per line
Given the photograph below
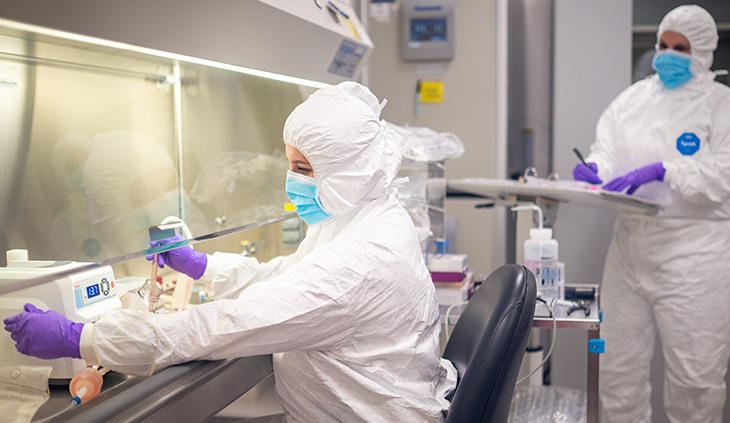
x,y
582,160
580,157
586,172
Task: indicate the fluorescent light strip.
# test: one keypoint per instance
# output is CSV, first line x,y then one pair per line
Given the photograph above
x,y
152,52
255,72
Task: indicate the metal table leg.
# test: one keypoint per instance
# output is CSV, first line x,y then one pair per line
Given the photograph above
x,y
594,355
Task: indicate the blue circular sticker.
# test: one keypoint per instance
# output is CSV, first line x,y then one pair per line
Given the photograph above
x,y
688,144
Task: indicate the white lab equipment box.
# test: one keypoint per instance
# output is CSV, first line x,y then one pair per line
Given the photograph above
x,y
80,295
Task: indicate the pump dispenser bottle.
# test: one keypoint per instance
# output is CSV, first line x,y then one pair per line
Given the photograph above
x,y
541,257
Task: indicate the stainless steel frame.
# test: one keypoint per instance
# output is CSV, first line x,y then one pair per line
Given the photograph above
x,y
592,325
189,392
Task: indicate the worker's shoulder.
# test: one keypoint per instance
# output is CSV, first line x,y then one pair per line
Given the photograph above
x,y
721,89
640,87
382,231
720,104
395,220
393,227
634,95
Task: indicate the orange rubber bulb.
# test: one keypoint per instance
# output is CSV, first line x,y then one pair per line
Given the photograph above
x,y
86,384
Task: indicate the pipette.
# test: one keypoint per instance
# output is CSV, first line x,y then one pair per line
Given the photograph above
x,y
154,293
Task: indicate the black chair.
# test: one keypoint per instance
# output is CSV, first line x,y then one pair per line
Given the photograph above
x,y
488,343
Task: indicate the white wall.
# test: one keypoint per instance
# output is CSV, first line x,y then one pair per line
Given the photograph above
x,y
592,64
468,110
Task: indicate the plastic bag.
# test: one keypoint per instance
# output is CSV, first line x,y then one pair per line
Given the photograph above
x,y
548,404
426,145
23,390
244,187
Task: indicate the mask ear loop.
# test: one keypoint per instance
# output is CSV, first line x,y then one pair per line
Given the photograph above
x,y
382,106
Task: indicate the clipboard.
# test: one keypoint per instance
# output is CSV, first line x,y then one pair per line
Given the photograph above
x,y
573,192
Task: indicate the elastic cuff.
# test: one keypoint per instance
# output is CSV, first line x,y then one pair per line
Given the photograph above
x,y
669,170
210,269
86,346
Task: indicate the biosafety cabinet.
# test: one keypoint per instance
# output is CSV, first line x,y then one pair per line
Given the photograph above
x,y
100,139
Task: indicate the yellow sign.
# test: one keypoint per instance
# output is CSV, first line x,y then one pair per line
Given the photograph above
x,y
352,29
432,92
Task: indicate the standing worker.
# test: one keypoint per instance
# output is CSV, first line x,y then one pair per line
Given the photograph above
x,y
667,138
351,317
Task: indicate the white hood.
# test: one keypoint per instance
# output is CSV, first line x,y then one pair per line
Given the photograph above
x,y
354,165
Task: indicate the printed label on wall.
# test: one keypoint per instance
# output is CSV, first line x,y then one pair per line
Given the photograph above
x,y
347,59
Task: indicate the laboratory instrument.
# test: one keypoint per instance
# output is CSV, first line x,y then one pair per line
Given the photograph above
x,y
80,295
427,30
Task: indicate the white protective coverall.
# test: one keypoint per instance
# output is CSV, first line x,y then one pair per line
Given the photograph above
x,y
669,272
351,317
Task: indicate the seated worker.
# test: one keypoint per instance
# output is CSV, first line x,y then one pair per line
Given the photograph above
x,y
350,317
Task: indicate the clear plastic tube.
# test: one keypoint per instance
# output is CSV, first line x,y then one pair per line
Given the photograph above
x,y
154,294
49,418
86,384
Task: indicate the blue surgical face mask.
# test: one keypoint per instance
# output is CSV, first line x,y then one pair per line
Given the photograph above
x,y
303,192
672,67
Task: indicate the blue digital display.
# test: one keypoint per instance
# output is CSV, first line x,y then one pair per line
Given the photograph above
x,y
428,29
92,291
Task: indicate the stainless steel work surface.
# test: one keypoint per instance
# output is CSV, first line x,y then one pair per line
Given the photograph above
x,y
188,392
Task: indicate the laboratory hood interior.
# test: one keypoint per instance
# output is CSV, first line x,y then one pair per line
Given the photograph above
x,y
102,139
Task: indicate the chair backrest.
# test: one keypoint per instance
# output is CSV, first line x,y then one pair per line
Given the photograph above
x,y
488,343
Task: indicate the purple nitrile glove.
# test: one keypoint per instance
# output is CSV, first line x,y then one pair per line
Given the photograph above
x,y
585,173
44,334
637,178
182,259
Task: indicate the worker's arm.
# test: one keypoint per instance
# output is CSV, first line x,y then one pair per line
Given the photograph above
x,y
705,180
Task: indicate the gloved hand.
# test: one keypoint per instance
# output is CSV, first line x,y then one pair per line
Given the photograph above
x,y
44,334
183,259
588,174
637,178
